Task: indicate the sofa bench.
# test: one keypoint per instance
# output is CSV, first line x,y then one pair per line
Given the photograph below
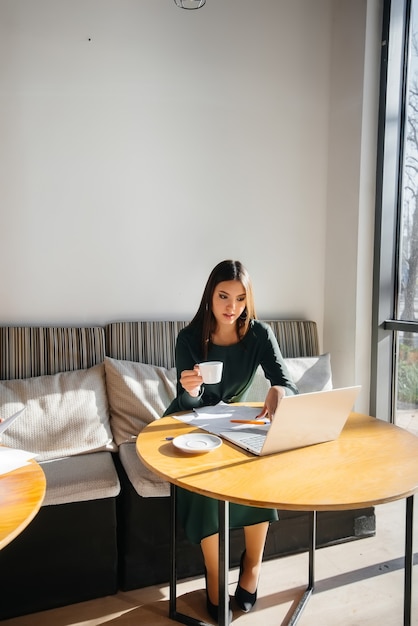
x,y
104,524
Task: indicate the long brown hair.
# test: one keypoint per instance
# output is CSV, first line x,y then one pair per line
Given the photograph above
x,y
204,318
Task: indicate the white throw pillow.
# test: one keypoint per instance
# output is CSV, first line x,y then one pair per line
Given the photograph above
x,y
138,394
66,413
308,373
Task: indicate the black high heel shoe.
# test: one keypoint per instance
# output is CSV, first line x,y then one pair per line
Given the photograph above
x,y
213,609
244,598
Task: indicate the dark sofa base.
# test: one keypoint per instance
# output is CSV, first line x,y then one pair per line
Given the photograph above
x,y
67,554
144,537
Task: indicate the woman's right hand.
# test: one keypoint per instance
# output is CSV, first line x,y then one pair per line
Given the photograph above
x,y
191,381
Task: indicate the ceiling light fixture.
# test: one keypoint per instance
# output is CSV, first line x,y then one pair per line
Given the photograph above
x,y
190,4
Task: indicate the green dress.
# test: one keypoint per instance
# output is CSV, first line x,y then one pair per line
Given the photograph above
x,y
199,514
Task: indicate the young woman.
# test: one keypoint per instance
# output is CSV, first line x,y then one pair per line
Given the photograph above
x,y
225,329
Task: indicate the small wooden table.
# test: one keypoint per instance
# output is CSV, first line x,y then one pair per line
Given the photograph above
x,y
21,495
372,462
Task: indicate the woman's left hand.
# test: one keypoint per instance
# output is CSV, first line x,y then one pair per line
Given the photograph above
x,y
272,401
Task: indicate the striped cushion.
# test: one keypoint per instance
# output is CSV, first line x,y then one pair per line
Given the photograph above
x,y
27,351
147,342
154,342
296,337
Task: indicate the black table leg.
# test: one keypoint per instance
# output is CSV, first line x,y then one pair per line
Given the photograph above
x,y
311,574
173,555
223,512
409,558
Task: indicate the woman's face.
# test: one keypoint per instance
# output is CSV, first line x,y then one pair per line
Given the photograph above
x,y
228,301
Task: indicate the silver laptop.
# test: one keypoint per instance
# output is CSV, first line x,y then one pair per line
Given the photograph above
x,y
9,420
301,420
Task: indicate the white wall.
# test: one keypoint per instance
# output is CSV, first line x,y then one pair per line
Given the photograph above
x,y
141,144
351,190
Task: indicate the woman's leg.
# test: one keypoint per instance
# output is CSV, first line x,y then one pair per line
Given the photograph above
x,y
210,549
255,539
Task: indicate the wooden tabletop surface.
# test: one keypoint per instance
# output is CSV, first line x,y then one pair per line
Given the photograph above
x,y
372,462
21,494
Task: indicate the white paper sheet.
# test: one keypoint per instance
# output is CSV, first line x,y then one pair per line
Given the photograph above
x,y
11,459
217,419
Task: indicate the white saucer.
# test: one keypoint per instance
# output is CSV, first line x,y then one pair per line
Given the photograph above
x,y
197,443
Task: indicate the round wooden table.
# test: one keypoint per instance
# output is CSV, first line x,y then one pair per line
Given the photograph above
x,y
21,495
372,462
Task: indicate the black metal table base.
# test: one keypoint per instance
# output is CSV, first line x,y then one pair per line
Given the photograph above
x,y
311,573
409,560
224,565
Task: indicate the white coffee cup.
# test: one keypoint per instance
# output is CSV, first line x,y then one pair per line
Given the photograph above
x,y
211,372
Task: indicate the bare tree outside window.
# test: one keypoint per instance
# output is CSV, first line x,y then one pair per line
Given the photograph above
x,y
407,342
409,227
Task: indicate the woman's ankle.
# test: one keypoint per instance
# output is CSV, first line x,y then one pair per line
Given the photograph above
x,y
212,588
250,574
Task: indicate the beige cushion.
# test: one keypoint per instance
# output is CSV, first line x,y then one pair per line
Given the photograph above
x,y
66,413
146,483
138,394
308,373
80,478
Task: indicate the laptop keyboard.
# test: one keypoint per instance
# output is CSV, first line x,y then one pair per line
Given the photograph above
x,y
254,441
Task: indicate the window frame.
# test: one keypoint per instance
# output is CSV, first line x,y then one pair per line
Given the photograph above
x,y
391,126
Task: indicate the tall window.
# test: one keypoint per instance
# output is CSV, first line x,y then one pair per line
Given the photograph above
x,y
395,317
